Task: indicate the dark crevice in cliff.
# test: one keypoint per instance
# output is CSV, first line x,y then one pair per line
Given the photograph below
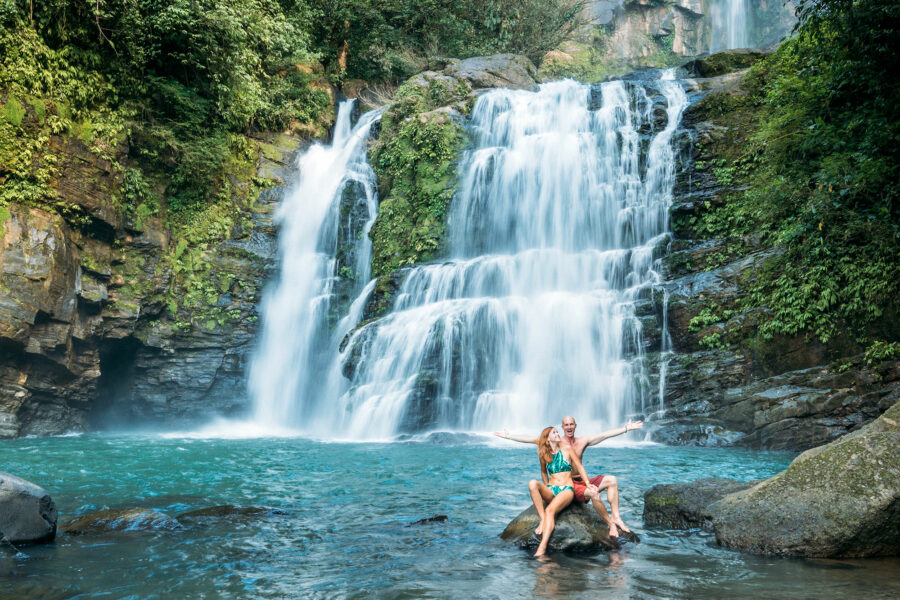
x,y
114,387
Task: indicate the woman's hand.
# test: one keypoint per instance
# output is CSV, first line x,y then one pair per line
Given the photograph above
x,y
504,434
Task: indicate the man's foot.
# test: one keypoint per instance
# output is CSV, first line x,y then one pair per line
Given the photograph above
x,y
618,521
613,532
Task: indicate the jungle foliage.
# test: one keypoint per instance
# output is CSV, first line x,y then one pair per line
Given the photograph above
x,y
183,80
822,172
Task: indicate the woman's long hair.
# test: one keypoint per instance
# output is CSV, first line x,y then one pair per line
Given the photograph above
x,y
544,450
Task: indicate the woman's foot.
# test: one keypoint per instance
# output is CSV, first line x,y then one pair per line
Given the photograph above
x,y
542,557
539,529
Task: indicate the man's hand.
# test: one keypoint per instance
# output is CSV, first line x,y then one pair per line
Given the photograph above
x,y
631,425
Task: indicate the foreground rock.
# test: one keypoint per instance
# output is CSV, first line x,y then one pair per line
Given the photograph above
x,y
27,513
839,500
578,529
124,519
683,505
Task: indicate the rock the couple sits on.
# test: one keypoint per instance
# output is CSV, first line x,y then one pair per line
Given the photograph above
x,y
564,482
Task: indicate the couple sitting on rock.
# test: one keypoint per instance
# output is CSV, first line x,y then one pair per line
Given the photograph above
x,y
560,456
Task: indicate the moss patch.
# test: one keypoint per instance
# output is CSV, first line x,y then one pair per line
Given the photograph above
x,y
415,161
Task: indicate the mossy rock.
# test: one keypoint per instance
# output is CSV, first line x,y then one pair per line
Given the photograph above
x,y
837,500
724,62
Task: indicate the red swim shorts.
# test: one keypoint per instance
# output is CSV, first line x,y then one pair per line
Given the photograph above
x,y
580,487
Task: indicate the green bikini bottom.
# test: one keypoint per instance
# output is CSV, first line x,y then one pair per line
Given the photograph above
x,y
558,489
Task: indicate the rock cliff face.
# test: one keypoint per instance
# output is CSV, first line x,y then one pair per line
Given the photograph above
x,y
727,385
625,35
97,321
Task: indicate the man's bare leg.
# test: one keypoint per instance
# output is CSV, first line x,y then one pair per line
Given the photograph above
x,y
611,485
600,507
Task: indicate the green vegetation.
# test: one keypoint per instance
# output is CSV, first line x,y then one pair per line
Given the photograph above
x,y
378,39
821,169
414,160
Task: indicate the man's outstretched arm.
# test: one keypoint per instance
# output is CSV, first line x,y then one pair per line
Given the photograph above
x,y
525,439
629,426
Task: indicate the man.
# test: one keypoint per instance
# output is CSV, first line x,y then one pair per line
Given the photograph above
x,y
590,491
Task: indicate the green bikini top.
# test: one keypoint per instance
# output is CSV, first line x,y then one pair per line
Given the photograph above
x,y
558,464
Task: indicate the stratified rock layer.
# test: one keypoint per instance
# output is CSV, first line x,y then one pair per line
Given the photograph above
x,y
726,384
94,326
27,513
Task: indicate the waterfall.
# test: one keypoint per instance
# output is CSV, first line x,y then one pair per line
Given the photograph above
x,y
296,343
553,237
730,25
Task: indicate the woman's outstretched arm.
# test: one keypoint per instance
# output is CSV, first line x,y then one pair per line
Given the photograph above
x,y
525,439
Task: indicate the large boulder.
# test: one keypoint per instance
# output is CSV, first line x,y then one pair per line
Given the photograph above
x,y
578,529
838,500
27,513
123,519
683,505
498,70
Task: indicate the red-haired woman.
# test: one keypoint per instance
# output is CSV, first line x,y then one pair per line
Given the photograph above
x,y
556,487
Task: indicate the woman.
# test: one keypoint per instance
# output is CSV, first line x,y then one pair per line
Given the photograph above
x,y
556,486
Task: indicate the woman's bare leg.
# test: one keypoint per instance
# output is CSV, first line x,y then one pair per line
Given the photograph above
x,y
557,504
539,493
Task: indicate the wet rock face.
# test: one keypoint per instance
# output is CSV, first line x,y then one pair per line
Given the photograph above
x,y
838,500
86,338
683,505
27,513
578,529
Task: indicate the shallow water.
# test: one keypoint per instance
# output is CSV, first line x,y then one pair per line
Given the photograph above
x,y
348,534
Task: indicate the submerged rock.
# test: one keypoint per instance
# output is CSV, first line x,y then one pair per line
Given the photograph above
x,y
578,529
229,511
838,500
27,513
682,505
123,519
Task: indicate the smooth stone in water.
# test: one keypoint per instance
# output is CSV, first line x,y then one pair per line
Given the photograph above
x,y
682,505
123,519
578,529
27,513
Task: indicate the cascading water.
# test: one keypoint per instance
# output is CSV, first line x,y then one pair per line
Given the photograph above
x,y
730,20
563,200
296,344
